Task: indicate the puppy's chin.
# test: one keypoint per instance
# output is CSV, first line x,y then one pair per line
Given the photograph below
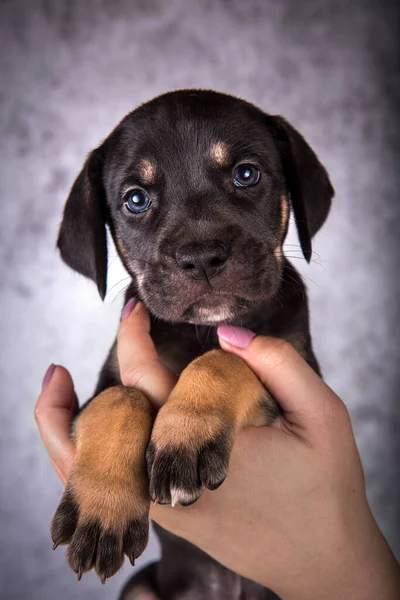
x,y
209,309
214,310
212,316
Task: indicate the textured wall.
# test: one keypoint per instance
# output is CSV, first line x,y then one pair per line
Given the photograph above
x,y
69,70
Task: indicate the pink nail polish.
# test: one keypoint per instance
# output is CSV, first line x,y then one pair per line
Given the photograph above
x,y
237,336
47,376
128,308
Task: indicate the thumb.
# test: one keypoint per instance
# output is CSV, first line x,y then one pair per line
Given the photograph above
x,y
54,412
299,391
139,363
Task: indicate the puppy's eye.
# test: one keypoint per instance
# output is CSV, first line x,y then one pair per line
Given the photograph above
x,y
246,175
137,201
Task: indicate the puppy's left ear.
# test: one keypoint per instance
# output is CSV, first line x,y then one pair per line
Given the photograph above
x,y
308,182
82,238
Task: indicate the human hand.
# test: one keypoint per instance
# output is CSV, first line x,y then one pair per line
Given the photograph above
x,y
292,513
140,367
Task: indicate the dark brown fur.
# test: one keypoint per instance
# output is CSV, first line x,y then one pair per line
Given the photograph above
x,y
206,252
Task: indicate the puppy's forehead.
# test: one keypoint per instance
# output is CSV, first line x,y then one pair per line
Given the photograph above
x,y
190,131
195,138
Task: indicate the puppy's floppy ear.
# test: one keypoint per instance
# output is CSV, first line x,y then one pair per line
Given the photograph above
x,y
308,182
82,238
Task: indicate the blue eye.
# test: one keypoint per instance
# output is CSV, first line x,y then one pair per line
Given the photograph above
x,y
246,175
137,201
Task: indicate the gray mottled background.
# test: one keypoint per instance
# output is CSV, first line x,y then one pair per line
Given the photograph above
x,y
69,70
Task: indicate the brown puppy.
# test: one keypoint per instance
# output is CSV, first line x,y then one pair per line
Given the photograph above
x,y
196,188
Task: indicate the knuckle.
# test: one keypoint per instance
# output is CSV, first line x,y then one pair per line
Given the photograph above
x,y
37,413
276,353
133,375
335,415
341,413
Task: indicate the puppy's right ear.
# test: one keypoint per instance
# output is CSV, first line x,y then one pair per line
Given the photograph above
x,y
82,238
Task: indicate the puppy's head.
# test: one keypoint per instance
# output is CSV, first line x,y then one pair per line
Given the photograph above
x,y
196,188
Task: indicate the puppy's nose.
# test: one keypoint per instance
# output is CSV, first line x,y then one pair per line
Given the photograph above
x,y
202,261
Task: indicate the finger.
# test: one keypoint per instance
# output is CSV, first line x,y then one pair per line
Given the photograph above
x,y
300,392
139,363
54,411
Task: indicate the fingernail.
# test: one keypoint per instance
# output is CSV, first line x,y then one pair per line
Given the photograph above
x,y
48,375
129,306
237,336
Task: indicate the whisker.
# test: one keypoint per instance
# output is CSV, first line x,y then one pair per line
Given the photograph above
x,y
118,283
121,292
206,340
314,262
197,333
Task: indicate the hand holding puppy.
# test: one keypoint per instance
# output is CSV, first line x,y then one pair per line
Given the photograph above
x,y
292,513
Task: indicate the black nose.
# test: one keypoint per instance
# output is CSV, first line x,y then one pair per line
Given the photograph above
x,y
202,261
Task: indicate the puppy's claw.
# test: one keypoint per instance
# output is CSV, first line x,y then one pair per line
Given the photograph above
x,y
131,559
65,520
174,496
79,574
180,474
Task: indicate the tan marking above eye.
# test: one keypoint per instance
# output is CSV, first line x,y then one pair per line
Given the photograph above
x,y
220,153
147,170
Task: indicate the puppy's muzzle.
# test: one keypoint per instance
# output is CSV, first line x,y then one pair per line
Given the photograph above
x,y
202,260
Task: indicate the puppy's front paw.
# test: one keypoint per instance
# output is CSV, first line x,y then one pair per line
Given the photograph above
x,y
103,513
194,431
187,454
99,537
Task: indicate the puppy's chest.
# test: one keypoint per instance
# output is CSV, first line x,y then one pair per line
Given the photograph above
x,y
177,351
178,345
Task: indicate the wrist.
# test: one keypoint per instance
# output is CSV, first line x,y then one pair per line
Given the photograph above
x,y
370,570
355,564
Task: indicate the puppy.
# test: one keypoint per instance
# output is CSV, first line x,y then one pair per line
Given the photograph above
x,y
196,188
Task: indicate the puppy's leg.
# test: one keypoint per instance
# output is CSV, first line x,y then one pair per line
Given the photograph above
x,y
103,513
141,586
216,395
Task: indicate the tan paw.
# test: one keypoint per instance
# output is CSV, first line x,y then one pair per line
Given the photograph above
x,y
103,514
192,437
